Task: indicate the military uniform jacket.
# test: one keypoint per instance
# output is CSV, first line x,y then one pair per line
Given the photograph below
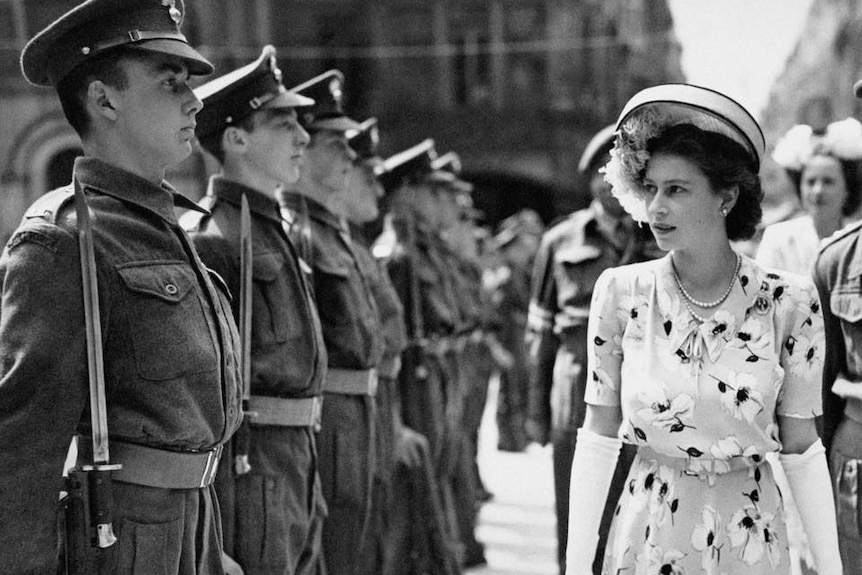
x,y
288,356
437,308
170,346
348,313
571,256
388,305
838,276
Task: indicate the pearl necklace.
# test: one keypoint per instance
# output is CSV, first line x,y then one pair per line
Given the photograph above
x,y
705,304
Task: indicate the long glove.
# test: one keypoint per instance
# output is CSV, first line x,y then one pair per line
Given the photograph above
x,y
592,471
808,477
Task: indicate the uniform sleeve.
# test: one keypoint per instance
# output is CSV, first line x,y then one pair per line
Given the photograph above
x,y
802,354
43,389
835,361
541,342
604,341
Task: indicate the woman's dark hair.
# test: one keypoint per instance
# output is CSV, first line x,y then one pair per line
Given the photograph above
x,y
852,180
725,164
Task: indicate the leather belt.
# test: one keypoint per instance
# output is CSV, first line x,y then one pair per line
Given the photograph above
x,y
351,381
291,412
153,467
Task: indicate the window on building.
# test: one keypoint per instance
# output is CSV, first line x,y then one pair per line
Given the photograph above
x,y
472,69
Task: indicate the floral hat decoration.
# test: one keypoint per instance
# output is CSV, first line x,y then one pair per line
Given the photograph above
x,y
842,140
653,110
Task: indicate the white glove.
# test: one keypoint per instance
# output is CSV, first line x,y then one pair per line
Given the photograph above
x,y
592,471
809,481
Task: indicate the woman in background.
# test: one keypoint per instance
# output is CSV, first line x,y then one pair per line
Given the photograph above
x,y
824,168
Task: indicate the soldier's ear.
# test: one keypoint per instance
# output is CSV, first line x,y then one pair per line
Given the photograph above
x,y
101,100
234,140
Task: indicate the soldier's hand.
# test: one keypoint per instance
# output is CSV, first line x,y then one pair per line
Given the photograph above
x,y
230,566
537,431
408,449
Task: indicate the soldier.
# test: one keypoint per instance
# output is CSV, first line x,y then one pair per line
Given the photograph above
x,y
170,346
517,240
350,319
272,508
470,357
836,274
424,536
359,207
572,255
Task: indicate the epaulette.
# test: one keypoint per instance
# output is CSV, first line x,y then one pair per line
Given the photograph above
x,y
840,234
48,206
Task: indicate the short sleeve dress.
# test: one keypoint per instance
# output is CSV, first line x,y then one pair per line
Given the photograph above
x,y
701,400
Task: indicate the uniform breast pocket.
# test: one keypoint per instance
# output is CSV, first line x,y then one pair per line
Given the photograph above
x,y
334,291
166,322
275,311
846,304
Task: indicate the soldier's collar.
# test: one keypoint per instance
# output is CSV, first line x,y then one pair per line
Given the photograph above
x,y
128,187
231,192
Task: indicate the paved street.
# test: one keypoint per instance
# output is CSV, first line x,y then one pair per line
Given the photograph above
x,y
518,524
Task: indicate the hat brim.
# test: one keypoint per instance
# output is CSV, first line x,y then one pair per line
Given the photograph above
x,y
603,141
338,124
196,63
695,104
289,100
35,57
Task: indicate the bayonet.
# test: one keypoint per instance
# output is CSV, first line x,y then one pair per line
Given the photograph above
x,y
241,464
89,506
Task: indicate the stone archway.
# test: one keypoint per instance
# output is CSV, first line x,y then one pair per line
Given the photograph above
x,y
42,151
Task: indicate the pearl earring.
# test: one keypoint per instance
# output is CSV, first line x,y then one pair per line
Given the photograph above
x,y
723,212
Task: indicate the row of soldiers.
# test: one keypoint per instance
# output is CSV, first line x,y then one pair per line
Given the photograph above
x,y
281,379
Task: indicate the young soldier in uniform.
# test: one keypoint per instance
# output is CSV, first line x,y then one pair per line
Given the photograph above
x,y
836,274
358,205
171,373
571,256
426,537
351,324
273,507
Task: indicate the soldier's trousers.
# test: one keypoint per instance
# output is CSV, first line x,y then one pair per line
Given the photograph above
x,y
564,451
171,531
417,539
845,465
347,461
373,554
273,516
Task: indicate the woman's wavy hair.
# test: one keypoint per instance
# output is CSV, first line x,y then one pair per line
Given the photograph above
x,y
724,163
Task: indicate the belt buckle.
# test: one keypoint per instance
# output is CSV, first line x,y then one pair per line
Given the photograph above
x,y
211,466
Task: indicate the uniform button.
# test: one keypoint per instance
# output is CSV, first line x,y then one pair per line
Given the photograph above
x,y
171,289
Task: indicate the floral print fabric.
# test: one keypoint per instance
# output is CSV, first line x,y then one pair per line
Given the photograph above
x,y
700,401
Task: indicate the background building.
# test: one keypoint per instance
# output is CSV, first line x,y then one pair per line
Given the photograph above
x,y
516,87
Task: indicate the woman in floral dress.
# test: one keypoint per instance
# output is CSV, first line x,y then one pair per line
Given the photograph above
x,y
702,359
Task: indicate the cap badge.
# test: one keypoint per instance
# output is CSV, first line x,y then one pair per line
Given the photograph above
x,y
176,15
335,89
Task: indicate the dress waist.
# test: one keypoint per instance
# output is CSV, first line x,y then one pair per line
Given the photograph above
x,y
701,466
